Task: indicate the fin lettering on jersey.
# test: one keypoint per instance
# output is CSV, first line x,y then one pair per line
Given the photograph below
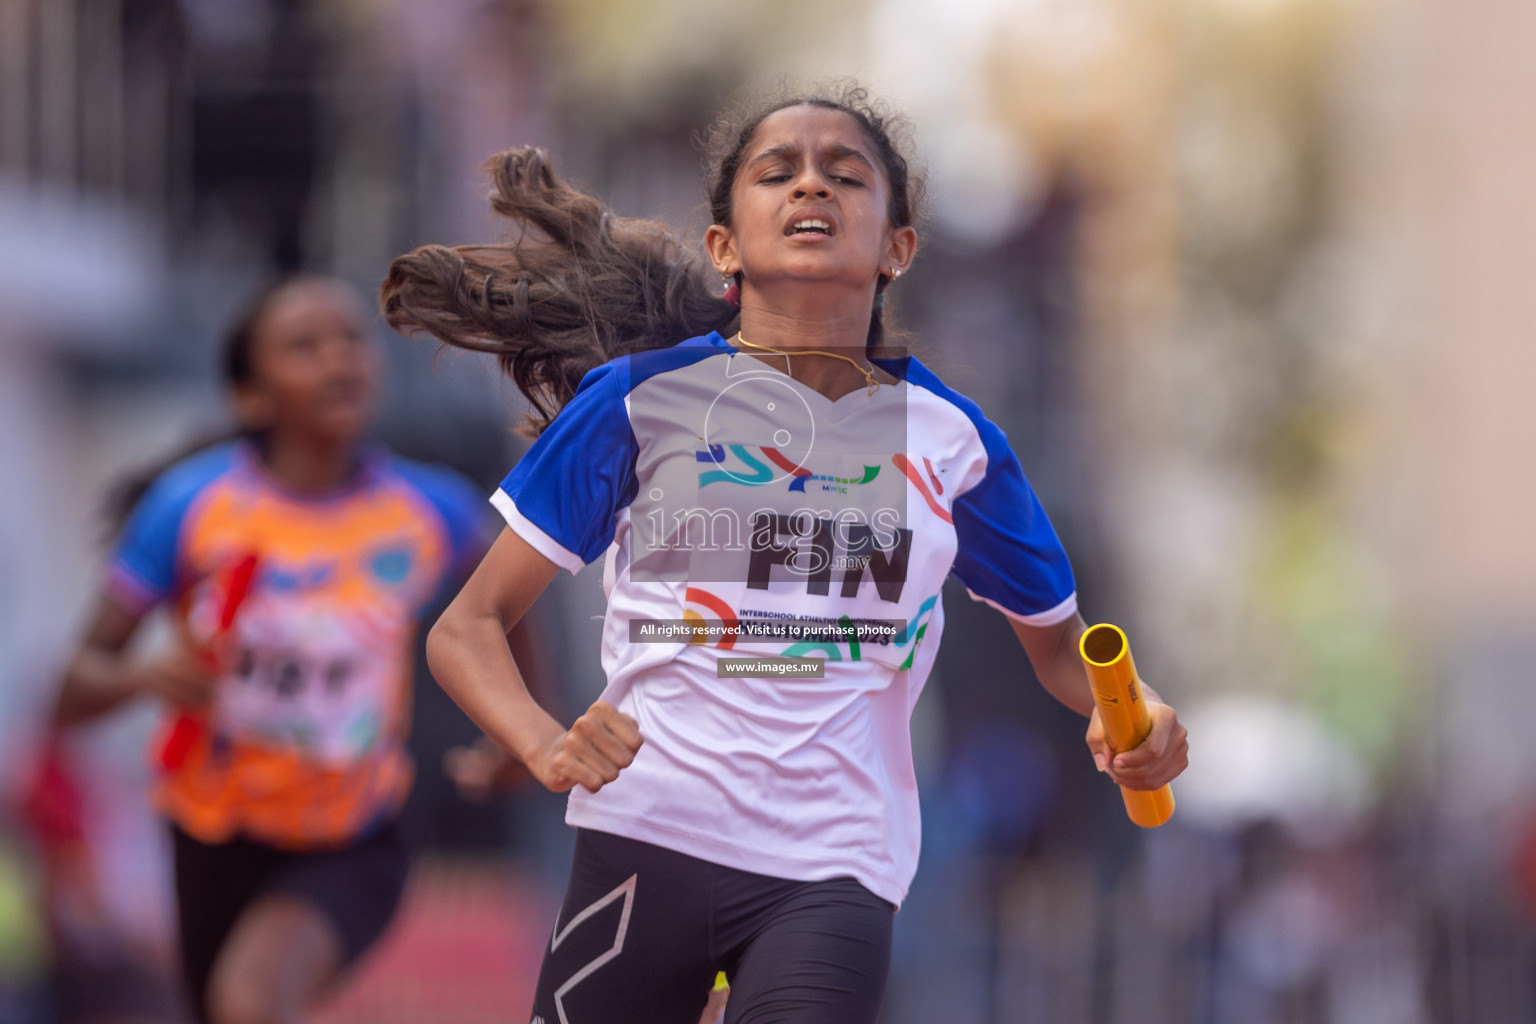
x,y
806,548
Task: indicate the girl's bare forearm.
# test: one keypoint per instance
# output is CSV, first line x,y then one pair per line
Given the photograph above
x,y
470,658
1054,656
94,683
100,676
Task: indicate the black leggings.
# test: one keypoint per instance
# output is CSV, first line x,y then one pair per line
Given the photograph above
x,y
644,929
358,887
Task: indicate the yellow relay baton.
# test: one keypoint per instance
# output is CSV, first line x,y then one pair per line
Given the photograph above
x,y
1117,692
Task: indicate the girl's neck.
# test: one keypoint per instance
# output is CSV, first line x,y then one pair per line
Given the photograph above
x,y
841,327
804,319
309,463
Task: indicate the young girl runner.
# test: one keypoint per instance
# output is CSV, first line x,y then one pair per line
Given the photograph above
x,y
296,558
750,463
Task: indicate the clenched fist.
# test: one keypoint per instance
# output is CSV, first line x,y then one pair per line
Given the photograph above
x,y
591,753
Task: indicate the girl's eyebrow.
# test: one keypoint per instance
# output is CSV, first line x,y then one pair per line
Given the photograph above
x,y
788,151
783,151
838,151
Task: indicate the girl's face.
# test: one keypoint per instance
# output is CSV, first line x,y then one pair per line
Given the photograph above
x,y
314,371
810,202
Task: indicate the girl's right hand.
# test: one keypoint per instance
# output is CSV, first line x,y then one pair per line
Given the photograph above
x,y
482,768
591,753
179,676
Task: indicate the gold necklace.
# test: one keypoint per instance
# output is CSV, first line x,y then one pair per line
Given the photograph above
x,y
869,375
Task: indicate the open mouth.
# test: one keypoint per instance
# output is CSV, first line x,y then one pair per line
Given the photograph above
x,y
343,392
810,226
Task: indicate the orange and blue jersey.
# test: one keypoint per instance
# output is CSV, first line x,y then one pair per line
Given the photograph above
x,y
304,740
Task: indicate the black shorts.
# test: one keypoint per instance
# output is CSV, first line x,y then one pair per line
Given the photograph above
x,y
644,929
358,887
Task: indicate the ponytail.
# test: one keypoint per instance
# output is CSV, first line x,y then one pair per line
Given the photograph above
x,y
578,286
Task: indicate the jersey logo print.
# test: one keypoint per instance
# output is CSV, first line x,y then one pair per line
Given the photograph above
x,y
905,465
803,476
716,604
626,890
797,475
912,634
760,473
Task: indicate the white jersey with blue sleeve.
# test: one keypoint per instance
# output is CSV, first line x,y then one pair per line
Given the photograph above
x,y
725,494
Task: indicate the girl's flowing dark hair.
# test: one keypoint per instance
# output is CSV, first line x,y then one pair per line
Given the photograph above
x,y
578,285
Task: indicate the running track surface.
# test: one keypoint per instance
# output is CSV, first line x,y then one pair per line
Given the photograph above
x,y
464,949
